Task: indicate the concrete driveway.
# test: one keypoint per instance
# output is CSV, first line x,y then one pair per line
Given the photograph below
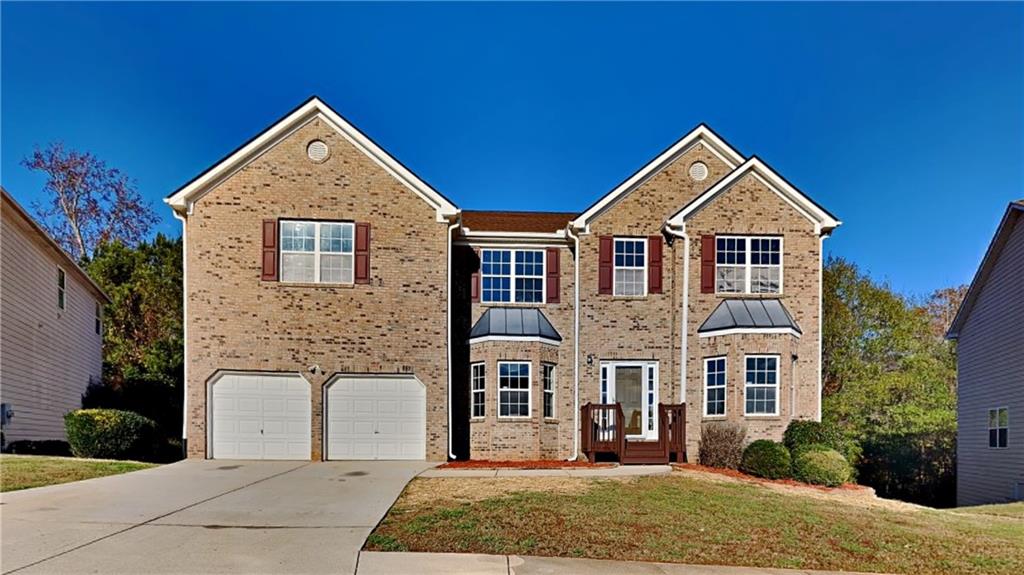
x,y
203,517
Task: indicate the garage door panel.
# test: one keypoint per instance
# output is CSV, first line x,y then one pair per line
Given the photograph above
x,y
376,418
260,416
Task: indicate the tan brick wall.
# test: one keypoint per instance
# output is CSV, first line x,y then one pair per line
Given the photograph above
x,y
396,324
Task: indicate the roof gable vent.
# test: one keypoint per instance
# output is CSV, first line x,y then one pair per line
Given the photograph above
x,y
698,171
317,151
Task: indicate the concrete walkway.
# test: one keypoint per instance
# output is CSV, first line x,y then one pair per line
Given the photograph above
x,y
376,563
618,471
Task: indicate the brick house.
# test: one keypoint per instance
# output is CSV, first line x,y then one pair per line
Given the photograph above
x,y
338,307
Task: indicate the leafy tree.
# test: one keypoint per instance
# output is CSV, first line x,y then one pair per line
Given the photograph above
x,y
88,203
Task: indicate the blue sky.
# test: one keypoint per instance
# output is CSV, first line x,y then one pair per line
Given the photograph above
x,y
907,121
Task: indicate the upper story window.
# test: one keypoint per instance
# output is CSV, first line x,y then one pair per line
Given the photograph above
x,y
630,267
317,252
513,389
748,264
62,284
512,276
762,385
999,427
479,385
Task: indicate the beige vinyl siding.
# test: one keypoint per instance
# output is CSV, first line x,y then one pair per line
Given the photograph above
x,y
47,355
991,375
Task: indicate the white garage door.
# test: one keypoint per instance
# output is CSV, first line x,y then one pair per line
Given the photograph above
x,y
376,418
261,416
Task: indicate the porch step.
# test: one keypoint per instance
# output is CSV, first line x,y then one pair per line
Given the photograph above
x,y
644,452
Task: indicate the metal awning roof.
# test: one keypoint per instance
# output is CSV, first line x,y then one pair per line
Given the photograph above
x,y
511,323
732,315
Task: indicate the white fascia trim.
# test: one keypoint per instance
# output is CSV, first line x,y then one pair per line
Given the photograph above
x,y
775,182
700,134
750,330
183,199
471,238
527,338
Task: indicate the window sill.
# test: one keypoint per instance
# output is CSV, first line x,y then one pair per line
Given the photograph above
x,y
630,297
551,420
510,304
724,295
517,419
762,415
308,285
714,417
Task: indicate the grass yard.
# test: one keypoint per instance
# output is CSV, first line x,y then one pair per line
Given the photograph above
x,y
1003,510
698,518
24,471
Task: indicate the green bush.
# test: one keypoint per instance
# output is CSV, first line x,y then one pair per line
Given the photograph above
x,y
806,432
110,434
820,465
768,459
721,445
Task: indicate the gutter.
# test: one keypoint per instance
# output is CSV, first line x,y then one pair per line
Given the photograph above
x,y
684,343
184,328
448,318
575,344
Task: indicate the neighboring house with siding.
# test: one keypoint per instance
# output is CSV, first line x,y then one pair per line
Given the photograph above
x,y
50,335
338,307
990,371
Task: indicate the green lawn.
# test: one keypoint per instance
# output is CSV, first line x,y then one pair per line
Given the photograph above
x,y
687,519
1002,509
24,471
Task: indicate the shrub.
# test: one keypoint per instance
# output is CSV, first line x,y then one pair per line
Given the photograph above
x,y
721,445
768,459
53,447
821,466
110,434
806,432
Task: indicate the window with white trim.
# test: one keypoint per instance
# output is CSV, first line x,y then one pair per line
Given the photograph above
x,y
513,389
761,389
630,267
99,319
651,385
714,386
548,378
317,252
748,264
62,284
479,386
999,427
512,276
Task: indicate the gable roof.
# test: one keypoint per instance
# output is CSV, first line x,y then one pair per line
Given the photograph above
x,y
496,221
702,134
1013,213
822,219
183,198
70,264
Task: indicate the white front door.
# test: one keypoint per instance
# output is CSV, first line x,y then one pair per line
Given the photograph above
x,y
634,385
260,416
376,417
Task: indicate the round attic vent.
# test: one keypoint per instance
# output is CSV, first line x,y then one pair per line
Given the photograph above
x,y
317,151
698,171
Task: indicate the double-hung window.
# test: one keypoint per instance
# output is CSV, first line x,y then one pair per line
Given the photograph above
x,y
748,264
548,377
762,385
317,252
62,284
512,276
714,386
630,267
999,427
513,389
478,377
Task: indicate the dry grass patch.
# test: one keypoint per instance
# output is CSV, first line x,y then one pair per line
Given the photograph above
x,y
25,471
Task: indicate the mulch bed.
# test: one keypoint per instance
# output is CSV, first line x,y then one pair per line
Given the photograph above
x,y
536,464
735,474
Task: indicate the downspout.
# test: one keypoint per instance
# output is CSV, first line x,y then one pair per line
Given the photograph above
x,y
821,291
448,314
184,330
576,345
684,343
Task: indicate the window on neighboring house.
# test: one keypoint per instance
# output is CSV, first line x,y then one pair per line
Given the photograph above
x,y
512,276
62,285
762,385
748,264
317,252
714,386
99,318
998,427
630,267
548,377
479,385
513,389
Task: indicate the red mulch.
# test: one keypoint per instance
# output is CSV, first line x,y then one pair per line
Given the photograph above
x,y
740,475
537,464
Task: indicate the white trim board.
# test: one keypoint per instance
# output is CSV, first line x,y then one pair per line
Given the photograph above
x,y
750,330
183,199
521,338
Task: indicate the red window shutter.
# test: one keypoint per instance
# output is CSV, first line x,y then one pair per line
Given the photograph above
x,y
553,275
269,258
474,281
654,264
707,264
605,267
362,275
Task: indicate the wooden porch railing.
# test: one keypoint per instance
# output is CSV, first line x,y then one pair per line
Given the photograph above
x,y
603,431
